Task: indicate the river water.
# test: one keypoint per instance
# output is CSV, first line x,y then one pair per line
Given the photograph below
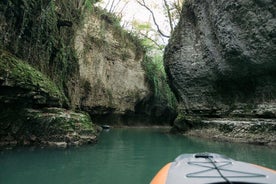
x,y
122,156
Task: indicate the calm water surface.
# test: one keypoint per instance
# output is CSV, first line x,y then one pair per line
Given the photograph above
x,y
122,156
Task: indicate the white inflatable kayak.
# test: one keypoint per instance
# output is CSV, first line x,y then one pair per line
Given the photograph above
x,y
210,168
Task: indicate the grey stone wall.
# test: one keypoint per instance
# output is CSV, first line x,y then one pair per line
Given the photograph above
x,y
221,59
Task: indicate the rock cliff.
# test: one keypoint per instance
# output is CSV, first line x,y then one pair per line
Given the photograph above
x,y
110,67
59,56
221,60
31,109
62,56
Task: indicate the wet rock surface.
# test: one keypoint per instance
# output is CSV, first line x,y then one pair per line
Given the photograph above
x,y
221,64
53,127
221,58
252,131
32,109
110,65
22,84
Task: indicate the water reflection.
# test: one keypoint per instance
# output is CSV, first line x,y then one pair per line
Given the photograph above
x,y
121,156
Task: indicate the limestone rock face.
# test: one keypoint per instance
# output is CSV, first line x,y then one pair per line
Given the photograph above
x,y
94,63
111,74
221,59
55,58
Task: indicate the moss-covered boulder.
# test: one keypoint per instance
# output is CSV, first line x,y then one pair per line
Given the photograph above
x,y
48,126
31,109
23,85
42,34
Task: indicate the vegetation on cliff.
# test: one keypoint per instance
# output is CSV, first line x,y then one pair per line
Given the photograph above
x,y
21,81
143,33
40,70
45,127
221,65
42,33
24,118
117,55
158,80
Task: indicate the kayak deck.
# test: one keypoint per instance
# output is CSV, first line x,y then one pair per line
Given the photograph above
x,y
212,168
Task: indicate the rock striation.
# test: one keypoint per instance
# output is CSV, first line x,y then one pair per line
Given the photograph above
x,y
221,59
57,57
112,79
31,109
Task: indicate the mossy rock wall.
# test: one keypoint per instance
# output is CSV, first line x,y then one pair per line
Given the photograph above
x,y
72,55
42,33
23,86
45,127
31,109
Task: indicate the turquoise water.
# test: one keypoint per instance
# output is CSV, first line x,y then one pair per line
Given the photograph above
x,y
122,156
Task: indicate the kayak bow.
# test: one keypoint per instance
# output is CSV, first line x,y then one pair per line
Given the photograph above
x,y
211,168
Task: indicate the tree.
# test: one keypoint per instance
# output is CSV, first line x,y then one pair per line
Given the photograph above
x,y
115,6
80,4
172,11
162,17
144,31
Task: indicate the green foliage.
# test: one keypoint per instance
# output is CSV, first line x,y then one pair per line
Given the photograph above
x,y
138,26
59,121
50,124
23,76
108,17
88,4
112,22
158,81
144,31
42,33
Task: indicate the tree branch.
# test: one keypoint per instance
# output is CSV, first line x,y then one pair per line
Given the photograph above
x,y
153,17
153,41
169,14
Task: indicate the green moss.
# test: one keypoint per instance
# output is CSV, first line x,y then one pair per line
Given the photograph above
x,y
112,22
27,126
20,74
42,34
157,78
51,121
